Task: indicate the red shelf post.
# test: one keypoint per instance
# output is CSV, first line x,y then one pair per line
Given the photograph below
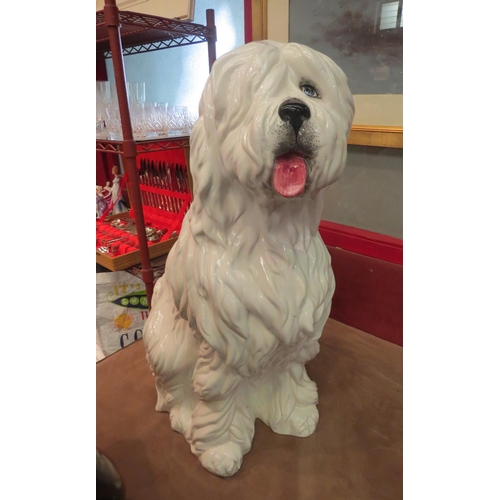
x,y
112,20
211,37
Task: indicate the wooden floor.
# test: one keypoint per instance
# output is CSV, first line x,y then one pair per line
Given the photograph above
x,y
355,453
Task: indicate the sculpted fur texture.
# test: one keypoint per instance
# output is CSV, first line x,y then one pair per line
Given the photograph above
x,y
248,285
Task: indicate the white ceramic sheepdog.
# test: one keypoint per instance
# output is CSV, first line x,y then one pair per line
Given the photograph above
x,y
248,285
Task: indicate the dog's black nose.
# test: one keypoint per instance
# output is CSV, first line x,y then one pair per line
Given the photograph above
x,y
295,112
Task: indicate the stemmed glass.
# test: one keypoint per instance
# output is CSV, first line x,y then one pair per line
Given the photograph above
x,y
136,92
108,123
105,98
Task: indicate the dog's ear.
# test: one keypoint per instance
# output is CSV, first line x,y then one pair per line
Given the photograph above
x,y
224,98
219,83
345,97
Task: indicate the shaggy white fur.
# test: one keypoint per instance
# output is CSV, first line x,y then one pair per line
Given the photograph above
x,y
248,285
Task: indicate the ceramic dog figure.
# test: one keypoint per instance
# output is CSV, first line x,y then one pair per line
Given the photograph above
x,y
248,285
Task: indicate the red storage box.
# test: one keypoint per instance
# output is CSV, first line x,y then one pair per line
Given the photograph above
x,y
166,196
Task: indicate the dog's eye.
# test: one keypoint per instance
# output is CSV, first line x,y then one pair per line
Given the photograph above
x,y
309,91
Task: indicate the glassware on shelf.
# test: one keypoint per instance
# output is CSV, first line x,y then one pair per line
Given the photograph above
x,y
136,92
108,120
156,117
149,120
177,121
114,123
138,120
105,98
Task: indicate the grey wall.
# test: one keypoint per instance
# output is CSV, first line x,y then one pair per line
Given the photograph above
x,y
369,195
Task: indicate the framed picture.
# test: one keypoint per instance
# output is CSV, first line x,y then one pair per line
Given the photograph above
x,y
365,38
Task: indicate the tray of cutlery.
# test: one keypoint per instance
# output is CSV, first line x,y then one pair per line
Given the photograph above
x,y
165,197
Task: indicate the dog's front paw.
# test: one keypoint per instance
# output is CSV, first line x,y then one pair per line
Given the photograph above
x,y
301,423
223,460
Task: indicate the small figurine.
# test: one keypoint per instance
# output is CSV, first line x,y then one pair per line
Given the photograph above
x,y
102,197
118,203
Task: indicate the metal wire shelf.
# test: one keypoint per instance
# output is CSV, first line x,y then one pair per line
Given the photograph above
x,y
144,33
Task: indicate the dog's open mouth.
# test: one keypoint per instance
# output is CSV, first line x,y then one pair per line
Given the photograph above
x,y
290,174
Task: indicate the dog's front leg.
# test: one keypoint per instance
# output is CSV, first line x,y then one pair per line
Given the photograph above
x,y
287,401
222,427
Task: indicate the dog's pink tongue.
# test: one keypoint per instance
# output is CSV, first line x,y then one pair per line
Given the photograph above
x,y
289,177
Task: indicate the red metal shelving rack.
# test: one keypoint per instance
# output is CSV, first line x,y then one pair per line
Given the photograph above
x,y
120,33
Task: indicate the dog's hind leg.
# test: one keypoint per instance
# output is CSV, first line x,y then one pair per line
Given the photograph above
x,y
172,353
222,426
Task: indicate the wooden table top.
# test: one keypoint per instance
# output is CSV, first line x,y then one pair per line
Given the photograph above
x,y
355,452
